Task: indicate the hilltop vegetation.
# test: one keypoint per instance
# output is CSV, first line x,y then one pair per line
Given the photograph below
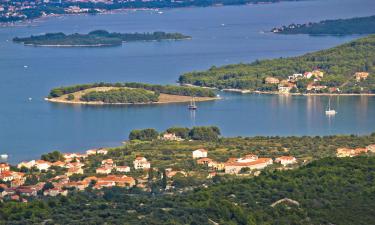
x,y
328,191
357,25
338,64
122,95
95,38
165,89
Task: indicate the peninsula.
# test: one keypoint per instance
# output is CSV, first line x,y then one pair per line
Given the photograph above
x,y
128,93
357,25
97,38
346,69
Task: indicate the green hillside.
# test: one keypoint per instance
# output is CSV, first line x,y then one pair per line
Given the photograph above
x,y
338,64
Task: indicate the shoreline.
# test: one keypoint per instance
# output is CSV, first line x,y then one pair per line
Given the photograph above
x,y
61,101
246,91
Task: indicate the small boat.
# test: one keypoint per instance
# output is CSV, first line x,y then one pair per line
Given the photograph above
x,y
4,156
192,105
330,112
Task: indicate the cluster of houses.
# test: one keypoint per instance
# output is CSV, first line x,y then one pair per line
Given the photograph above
x,y
73,163
236,165
352,152
285,86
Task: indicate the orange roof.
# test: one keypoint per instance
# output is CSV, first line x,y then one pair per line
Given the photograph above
x,y
286,158
202,160
256,162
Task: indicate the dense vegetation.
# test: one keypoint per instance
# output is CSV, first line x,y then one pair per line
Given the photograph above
x,y
338,64
95,38
122,95
209,133
328,191
165,89
358,25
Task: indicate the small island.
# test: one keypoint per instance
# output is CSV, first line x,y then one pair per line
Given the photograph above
x,y
128,93
357,25
97,38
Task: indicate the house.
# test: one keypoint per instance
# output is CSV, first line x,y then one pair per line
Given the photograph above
x,y
170,137
295,77
104,170
80,185
371,148
285,88
118,180
200,153
204,161
27,191
141,163
102,151
102,184
314,87
211,175
7,176
26,164
271,80
4,167
123,169
108,162
55,192
318,74
216,165
286,160
74,170
361,76
17,182
235,167
248,158
169,172
74,165
307,75
348,152
91,152
42,165
58,164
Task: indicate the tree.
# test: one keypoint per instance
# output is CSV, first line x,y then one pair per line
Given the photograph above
x,y
205,133
53,156
148,134
182,132
47,186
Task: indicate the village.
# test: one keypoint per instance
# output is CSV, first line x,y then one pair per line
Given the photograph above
x,y
312,79
96,169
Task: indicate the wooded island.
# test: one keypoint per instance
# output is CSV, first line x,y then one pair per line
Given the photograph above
x,y
128,93
97,38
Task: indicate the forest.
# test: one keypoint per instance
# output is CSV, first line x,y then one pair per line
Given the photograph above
x,y
122,95
96,38
357,25
326,191
339,64
164,89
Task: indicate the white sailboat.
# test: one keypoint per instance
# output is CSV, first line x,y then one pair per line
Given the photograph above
x,y
192,105
330,111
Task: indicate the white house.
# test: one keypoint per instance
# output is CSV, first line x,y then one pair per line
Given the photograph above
x,y
4,167
104,170
123,169
200,153
371,148
42,165
141,163
235,167
286,160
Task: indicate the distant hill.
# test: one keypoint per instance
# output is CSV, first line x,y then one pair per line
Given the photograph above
x,y
97,38
338,64
358,25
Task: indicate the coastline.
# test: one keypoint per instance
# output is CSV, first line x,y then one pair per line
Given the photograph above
x,y
185,99
246,91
